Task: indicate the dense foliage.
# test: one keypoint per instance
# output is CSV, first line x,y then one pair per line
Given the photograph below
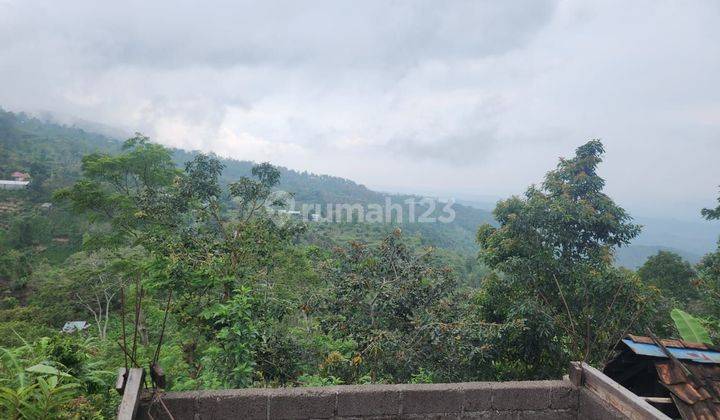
x,y
555,247
225,293
671,274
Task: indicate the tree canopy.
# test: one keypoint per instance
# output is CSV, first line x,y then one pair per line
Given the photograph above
x,y
556,244
186,247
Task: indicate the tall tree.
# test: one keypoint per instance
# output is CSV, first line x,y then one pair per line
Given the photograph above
x,y
391,302
132,191
712,214
671,274
709,271
96,279
212,246
556,245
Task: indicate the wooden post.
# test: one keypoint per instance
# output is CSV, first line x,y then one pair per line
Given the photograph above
x,y
616,395
120,381
575,374
131,394
158,375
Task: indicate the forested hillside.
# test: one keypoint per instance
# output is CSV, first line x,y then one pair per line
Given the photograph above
x,y
58,149
179,259
53,152
308,188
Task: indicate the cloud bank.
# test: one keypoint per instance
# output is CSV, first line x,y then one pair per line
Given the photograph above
x,y
464,97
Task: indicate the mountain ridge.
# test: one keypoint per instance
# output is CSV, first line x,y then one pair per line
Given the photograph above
x,y
22,135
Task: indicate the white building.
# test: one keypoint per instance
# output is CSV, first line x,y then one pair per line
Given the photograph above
x,y
73,326
13,185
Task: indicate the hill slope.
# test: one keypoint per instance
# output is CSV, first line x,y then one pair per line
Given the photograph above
x,y
27,143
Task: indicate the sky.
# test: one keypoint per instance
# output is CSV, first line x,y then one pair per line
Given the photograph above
x,y
463,98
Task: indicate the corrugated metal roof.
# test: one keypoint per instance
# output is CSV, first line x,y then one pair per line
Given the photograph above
x,y
676,347
72,326
670,343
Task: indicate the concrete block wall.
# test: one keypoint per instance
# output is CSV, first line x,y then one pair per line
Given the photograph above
x,y
591,407
505,400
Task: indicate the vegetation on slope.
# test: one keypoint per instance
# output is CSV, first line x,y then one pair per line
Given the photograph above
x,y
136,229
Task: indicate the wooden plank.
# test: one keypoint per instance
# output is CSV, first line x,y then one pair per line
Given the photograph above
x,y
120,381
575,374
629,404
131,396
158,375
658,400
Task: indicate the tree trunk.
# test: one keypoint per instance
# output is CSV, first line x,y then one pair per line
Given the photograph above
x,y
142,329
108,300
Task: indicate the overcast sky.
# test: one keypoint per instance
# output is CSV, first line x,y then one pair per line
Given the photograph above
x,y
468,98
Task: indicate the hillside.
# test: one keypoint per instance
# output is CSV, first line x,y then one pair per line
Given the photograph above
x,y
312,189
634,256
252,302
55,150
52,154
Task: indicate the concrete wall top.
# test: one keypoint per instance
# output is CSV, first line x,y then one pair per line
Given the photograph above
x,y
526,399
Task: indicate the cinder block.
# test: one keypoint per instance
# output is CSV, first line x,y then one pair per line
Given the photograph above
x,y
302,403
368,400
491,414
590,407
431,398
533,395
393,417
533,399
547,415
181,405
233,404
564,395
477,396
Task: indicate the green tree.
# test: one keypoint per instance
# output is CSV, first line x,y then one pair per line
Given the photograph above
x,y
206,241
27,230
132,191
392,303
709,273
235,333
14,264
712,214
709,282
555,245
671,274
39,173
94,280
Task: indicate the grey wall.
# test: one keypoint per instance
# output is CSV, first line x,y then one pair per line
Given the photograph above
x,y
531,399
591,407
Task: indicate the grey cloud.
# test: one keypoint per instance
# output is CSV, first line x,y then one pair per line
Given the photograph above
x,y
468,148
226,34
403,90
185,60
